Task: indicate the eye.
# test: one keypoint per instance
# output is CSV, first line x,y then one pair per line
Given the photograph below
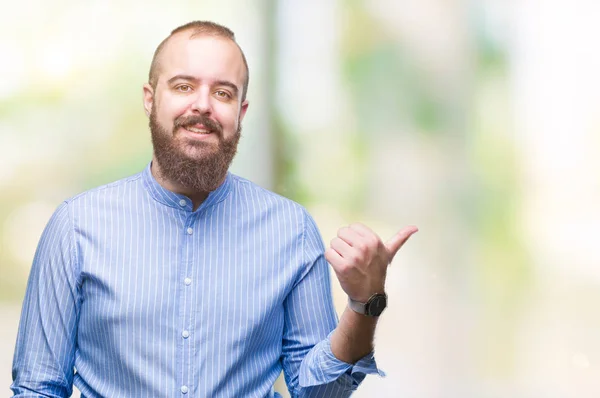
x,y
222,94
184,88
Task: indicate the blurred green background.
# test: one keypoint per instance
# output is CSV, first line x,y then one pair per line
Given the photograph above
x,y
475,120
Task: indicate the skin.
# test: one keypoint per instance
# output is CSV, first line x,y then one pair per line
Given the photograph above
x,y
204,76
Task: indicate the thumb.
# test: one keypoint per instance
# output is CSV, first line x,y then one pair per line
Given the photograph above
x,y
397,241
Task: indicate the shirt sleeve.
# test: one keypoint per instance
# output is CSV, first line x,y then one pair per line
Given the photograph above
x,y
309,366
43,364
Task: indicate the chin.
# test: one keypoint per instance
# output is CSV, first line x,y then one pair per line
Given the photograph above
x,y
198,152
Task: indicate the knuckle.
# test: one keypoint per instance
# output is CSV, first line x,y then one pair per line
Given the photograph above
x,y
341,268
361,246
362,259
355,258
375,243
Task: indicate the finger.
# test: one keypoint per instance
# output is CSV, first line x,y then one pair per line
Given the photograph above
x,y
349,236
396,241
341,247
333,257
362,229
370,238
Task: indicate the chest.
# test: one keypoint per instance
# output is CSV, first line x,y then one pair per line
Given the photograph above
x,y
141,273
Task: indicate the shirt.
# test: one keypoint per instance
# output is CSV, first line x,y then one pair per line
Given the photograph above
x,y
134,294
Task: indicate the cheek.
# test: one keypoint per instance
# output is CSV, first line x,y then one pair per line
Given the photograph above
x,y
227,117
171,105
168,114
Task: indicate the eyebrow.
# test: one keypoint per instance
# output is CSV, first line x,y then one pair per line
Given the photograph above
x,y
182,77
226,83
189,78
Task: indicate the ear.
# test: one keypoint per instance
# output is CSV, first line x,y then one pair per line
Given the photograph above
x,y
148,99
243,109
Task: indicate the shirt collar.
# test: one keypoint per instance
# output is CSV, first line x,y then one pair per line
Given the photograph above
x,y
179,201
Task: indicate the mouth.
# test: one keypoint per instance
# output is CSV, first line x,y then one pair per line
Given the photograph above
x,y
197,129
197,132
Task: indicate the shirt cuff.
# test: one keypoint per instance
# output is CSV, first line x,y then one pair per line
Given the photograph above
x,y
320,366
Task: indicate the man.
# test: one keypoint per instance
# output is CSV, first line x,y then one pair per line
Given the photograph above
x,y
185,280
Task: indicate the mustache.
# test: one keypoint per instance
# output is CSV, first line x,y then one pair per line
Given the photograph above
x,y
187,121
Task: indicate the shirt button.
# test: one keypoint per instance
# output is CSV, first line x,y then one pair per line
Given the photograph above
x,y
185,334
187,281
182,202
190,231
184,389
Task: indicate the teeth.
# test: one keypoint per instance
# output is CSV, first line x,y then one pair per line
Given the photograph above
x,y
195,130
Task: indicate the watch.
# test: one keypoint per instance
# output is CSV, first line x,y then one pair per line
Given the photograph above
x,y
373,307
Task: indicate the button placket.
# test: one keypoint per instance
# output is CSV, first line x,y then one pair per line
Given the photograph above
x,y
187,296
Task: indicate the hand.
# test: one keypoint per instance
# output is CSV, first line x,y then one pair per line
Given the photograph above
x,y
360,259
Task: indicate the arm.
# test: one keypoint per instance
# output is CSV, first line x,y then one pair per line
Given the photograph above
x,y
360,260
310,367
45,351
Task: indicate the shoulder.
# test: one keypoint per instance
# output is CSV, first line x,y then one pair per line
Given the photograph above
x,y
104,199
272,207
255,195
114,190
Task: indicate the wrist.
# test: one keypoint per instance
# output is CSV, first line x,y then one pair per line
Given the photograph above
x,y
363,297
372,307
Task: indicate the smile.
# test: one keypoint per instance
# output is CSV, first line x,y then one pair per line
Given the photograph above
x,y
197,134
197,130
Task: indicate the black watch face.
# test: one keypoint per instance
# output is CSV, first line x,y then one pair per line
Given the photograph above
x,y
377,305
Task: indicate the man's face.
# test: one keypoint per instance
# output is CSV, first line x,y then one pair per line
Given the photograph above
x,y
196,109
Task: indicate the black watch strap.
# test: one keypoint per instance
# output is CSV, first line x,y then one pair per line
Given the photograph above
x,y
373,307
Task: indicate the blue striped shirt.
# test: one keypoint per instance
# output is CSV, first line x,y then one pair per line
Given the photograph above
x,y
134,294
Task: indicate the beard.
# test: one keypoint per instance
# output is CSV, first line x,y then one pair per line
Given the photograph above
x,y
195,165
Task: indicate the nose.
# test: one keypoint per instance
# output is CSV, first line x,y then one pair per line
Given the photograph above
x,y
201,102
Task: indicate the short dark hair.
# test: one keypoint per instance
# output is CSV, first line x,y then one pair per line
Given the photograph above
x,y
198,28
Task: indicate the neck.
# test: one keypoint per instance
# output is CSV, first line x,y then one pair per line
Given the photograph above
x,y
196,197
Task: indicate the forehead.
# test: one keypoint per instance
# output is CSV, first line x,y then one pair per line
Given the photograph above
x,y
206,58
